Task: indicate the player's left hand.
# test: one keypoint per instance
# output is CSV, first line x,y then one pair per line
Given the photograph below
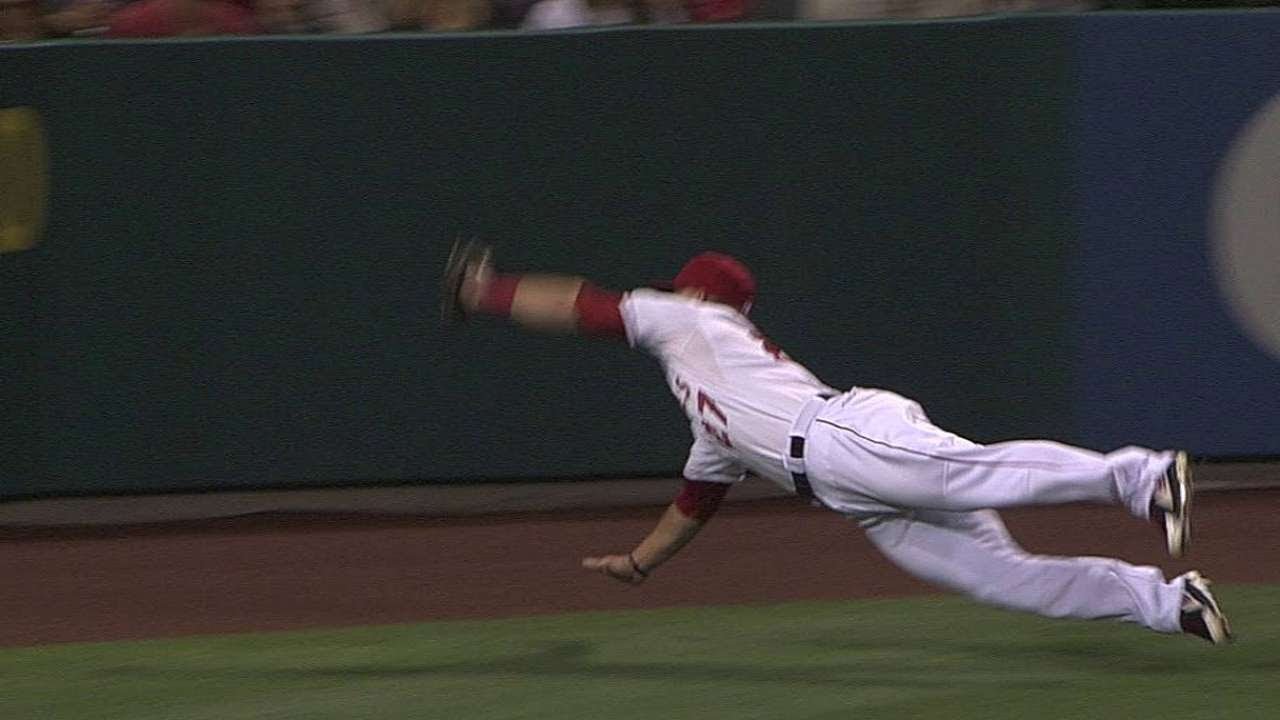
x,y
618,567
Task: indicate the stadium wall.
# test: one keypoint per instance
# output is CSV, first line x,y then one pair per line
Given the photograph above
x,y
237,283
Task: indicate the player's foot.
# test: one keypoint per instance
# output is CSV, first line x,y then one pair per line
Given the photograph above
x,y
1171,505
467,261
1201,614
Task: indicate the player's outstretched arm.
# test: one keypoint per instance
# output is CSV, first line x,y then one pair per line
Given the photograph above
x,y
546,303
682,521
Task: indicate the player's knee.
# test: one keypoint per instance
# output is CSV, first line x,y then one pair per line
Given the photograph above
x,y
987,593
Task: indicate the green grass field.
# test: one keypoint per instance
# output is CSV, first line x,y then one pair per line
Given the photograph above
x,y
918,658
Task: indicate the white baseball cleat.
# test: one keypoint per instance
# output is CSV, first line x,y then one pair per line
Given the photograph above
x,y
1201,614
1173,501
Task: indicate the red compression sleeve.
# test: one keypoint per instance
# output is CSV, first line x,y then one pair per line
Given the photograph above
x,y
599,312
700,500
499,296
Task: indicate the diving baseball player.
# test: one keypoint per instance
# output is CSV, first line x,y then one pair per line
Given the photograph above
x,y
925,497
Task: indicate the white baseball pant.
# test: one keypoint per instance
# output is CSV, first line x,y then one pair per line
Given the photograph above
x,y
926,498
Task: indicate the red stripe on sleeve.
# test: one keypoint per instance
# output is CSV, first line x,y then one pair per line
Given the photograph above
x,y
699,500
500,295
599,312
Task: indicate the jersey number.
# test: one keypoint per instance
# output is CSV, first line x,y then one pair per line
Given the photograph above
x,y
708,411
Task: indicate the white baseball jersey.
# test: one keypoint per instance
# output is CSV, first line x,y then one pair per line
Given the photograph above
x,y
740,391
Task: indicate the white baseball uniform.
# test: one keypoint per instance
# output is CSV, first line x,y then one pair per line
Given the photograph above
x,y
925,497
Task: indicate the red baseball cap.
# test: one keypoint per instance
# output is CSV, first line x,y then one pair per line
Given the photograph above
x,y
720,275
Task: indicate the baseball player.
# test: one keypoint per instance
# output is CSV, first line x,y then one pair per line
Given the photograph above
x,y
926,498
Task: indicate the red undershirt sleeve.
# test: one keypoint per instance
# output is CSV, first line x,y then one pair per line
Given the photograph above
x,y
599,312
700,500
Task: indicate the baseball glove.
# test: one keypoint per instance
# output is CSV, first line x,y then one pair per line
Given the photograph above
x,y
467,258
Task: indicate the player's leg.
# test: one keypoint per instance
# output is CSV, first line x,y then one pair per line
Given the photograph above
x,y
881,445
972,553
1022,472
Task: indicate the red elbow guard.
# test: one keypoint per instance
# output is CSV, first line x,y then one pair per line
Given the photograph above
x,y
700,500
599,312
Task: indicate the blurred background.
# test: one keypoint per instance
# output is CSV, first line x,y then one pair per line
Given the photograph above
x,y
28,20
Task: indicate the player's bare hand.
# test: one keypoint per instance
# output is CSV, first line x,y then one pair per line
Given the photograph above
x,y
618,567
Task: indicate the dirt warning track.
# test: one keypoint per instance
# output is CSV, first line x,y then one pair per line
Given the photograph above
x,y
283,572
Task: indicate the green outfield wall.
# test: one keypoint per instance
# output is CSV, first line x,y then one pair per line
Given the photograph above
x,y
236,285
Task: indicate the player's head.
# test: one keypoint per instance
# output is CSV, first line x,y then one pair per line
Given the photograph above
x,y
721,277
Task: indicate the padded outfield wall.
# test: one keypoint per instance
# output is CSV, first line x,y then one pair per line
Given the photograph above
x,y
236,283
